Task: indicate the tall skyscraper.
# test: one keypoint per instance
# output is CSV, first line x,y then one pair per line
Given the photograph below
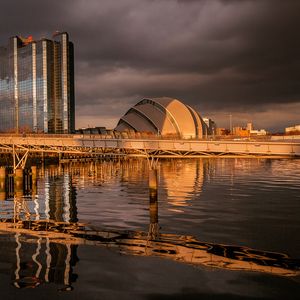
x,y
37,85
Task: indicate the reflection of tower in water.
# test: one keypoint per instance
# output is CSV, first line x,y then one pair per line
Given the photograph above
x,y
40,262
60,196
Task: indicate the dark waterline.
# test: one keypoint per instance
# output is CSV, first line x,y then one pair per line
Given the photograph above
x,y
212,231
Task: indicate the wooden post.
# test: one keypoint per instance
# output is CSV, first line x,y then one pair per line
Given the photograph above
x,y
33,181
153,204
18,182
2,183
153,182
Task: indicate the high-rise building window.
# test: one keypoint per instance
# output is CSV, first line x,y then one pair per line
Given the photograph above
x,y
37,85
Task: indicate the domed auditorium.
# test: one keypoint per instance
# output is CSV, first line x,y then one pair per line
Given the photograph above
x,y
165,117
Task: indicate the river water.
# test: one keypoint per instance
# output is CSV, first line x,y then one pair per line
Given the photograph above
x,y
215,229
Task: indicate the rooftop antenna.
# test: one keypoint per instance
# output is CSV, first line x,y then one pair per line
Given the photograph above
x,y
230,123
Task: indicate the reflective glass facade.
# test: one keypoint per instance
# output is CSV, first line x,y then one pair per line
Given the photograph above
x,y
37,85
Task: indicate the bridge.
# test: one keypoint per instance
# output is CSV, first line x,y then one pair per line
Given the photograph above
x,y
99,146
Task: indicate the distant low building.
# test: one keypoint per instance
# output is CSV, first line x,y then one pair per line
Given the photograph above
x,y
248,131
258,132
240,131
222,131
292,130
92,130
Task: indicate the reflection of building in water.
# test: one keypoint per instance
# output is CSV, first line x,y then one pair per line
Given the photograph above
x,y
133,170
237,166
60,196
21,209
182,180
129,170
40,261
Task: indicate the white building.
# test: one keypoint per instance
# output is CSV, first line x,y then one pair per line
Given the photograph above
x,y
292,129
258,132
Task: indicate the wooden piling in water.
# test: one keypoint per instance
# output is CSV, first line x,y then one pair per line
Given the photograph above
x,y
33,181
18,182
153,204
2,183
153,182
153,185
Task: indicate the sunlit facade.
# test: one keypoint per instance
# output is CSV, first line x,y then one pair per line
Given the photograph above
x,y
37,85
164,116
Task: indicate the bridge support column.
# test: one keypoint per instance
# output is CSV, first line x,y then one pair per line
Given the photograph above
x,y
2,183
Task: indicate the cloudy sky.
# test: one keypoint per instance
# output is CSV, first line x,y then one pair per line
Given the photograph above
x,y
239,57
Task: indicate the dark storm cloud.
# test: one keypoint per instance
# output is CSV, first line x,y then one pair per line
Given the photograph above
x,y
216,55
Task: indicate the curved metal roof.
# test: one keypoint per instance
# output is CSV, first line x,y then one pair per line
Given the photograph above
x,y
163,116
